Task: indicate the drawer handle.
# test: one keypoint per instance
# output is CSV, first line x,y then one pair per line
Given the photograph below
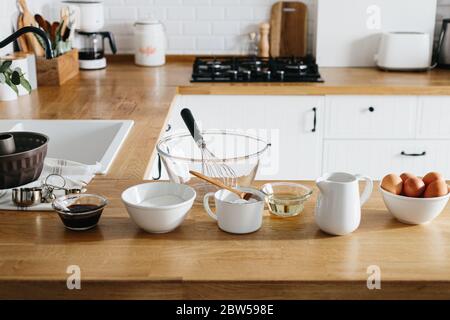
x,y
414,154
315,120
371,109
159,169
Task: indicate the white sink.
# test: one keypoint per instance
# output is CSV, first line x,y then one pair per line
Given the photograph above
x,y
85,141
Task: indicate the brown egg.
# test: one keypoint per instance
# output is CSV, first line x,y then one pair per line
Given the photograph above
x,y
431,176
413,187
437,188
406,175
392,183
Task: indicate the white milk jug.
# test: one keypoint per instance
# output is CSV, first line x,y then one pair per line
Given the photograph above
x,y
338,207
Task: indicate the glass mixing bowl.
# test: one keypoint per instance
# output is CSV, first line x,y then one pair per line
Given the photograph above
x,y
239,151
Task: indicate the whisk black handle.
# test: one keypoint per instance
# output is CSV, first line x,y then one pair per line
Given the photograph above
x,y
191,124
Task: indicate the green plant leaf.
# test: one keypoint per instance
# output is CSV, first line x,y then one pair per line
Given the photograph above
x,y
24,82
15,78
5,66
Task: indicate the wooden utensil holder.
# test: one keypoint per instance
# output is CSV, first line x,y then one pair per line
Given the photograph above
x,y
57,71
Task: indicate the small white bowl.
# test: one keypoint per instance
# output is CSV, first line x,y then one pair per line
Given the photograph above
x,y
413,210
158,207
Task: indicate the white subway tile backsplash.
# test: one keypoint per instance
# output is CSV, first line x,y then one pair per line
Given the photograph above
x,y
197,28
123,13
180,13
193,26
211,43
210,13
138,2
182,43
225,28
239,13
173,28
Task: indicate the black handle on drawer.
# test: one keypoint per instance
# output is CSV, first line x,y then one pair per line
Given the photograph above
x,y
315,119
403,153
371,109
159,169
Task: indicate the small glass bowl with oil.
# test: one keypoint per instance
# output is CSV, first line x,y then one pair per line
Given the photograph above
x,y
286,199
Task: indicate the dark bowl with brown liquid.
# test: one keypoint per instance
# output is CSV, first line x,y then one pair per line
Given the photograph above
x,y
80,211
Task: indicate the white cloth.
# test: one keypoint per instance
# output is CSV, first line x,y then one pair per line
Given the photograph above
x,y
76,174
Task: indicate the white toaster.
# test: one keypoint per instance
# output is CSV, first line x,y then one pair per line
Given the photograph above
x,y
404,51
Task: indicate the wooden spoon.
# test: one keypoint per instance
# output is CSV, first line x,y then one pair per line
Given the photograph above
x,y
64,20
44,24
53,32
243,195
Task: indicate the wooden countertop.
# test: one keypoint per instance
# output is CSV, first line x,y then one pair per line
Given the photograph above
x,y
287,258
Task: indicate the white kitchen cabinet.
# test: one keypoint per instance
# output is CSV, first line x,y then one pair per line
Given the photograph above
x,y
376,158
350,136
287,122
434,118
370,117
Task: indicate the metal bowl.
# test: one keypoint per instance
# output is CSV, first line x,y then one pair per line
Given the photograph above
x,y
26,163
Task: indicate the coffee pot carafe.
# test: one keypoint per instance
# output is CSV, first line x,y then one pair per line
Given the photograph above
x,y
443,49
92,49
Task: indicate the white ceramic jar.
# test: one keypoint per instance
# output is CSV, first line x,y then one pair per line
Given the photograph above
x,y
149,43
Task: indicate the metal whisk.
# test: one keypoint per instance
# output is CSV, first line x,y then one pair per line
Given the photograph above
x,y
211,165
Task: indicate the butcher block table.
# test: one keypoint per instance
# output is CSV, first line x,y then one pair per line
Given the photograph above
x,y
286,259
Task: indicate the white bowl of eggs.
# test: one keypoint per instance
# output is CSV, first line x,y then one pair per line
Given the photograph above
x,y
414,200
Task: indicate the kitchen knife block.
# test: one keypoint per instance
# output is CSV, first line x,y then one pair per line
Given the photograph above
x,y
57,71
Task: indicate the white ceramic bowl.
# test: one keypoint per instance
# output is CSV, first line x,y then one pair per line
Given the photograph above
x,y
413,210
158,207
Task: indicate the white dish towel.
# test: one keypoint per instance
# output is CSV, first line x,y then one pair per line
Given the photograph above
x,y
76,174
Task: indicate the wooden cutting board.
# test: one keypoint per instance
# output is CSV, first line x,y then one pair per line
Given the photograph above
x,y
22,40
288,29
28,20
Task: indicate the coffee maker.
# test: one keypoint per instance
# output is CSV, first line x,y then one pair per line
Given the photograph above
x,y
91,54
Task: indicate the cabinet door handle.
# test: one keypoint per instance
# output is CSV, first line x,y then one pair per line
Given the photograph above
x,y
403,153
159,169
371,109
315,119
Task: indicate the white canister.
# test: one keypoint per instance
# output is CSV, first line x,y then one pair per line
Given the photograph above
x,y
149,43
31,75
18,62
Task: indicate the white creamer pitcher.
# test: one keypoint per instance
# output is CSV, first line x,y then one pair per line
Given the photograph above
x,y
338,207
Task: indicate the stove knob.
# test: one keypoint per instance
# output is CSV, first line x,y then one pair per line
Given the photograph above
x,y
267,75
247,74
280,74
233,74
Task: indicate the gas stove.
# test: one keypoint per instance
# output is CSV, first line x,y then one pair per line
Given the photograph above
x,y
255,69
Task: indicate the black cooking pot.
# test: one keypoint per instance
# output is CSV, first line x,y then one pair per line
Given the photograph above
x,y
26,162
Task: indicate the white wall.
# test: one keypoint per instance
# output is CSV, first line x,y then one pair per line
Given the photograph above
x,y
193,26
6,9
